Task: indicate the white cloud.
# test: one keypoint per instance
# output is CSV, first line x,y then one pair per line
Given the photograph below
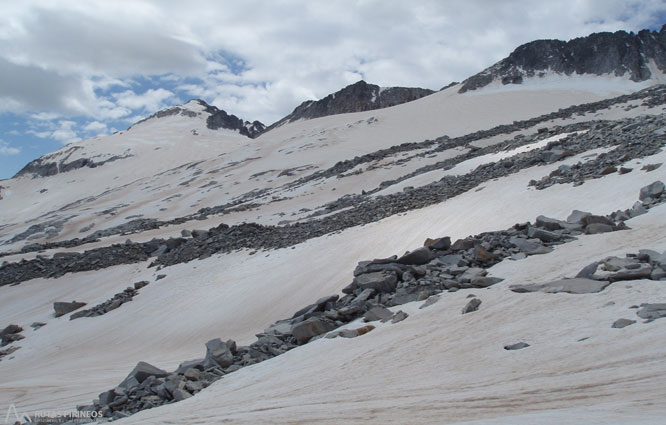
x,y
151,100
261,59
5,149
95,126
65,133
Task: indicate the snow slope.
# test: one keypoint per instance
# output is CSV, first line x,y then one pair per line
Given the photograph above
x,y
435,367
173,173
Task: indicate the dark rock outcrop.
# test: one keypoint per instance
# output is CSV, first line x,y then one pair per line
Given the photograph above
x,y
616,53
356,97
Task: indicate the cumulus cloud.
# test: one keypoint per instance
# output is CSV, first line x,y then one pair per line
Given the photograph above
x,y
260,59
5,149
150,100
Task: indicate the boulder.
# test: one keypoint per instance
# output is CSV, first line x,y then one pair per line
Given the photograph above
x,y
311,327
139,374
576,217
597,228
399,317
471,306
516,346
430,301
622,323
530,247
643,271
571,286
62,308
548,223
542,235
462,245
379,281
219,353
10,330
596,219
652,190
378,313
417,257
141,284
180,394
440,244
185,366
484,281
651,312
589,270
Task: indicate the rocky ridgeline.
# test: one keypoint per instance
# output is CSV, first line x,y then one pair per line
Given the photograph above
x,y
47,165
641,136
113,303
420,275
648,140
95,259
356,97
616,53
651,97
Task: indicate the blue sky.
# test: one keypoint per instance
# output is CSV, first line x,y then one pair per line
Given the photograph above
x,y
72,70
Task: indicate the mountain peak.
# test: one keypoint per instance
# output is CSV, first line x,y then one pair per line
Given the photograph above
x,y
619,53
217,118
356,97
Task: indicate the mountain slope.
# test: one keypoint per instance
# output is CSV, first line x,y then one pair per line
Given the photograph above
x,y
638,57
246,238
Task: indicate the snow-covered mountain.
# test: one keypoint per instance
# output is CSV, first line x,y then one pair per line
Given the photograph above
x,y
287,242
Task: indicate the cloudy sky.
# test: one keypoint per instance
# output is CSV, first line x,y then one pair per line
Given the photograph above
x,y
76,69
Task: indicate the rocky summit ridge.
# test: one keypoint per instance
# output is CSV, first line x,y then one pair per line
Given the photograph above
x,y
356,97
620,53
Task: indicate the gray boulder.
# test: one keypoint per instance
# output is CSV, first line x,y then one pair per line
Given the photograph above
x,y
440,244
379,281
139,374
62,308
543,235
417,257
471,306
576,217
399,317
311,327
219,353
10,330
548,223
571,286
530,247
651,312
643,271
651,191
430,301
516,346
622,323
378,313
597,228
588,271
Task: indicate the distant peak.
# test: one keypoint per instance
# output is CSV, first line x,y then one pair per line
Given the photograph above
x,y
619,53
356,97
216,119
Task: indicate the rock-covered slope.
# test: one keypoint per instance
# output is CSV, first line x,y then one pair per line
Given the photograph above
x,y
619,54
356,97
